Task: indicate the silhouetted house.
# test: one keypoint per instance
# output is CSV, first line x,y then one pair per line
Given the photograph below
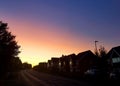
x,y
114,59
61,64
80,63
64,64
42,66
54,64
85,61
73,65
49,65
26,65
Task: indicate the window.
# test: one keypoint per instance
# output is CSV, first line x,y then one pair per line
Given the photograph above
x,y
116,60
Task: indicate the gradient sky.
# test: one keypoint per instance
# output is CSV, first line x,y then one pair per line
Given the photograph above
x,y
50,28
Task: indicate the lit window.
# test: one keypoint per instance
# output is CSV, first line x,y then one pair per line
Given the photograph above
x,y
116,60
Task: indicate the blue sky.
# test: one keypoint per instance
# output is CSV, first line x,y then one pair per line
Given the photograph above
x,y
80,21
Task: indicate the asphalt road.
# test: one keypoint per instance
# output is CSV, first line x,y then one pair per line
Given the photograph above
x,y
34,78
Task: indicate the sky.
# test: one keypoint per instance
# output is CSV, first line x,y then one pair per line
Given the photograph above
x,y
52,28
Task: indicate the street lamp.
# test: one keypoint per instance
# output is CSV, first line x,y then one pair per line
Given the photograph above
x,y
96,44
96,51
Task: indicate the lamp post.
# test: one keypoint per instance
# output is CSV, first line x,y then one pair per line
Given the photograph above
x,y
96,51
96,45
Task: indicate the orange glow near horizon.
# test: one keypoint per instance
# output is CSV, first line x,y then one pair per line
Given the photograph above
x,y
52,28
46,42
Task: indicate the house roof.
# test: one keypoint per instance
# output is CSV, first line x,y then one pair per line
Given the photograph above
x,y
114,52
86,53
54,59
117,49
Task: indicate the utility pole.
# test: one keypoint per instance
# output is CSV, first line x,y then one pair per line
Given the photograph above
x,y
96,44
96,50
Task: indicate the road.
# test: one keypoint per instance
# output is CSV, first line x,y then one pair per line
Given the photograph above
x,y
34,78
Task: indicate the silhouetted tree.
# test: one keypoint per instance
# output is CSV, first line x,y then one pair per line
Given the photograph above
x,y
8,48
102,63
102,56
102,52
16,64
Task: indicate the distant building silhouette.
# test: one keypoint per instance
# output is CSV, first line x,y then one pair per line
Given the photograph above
x,y
53,64
85,64
26,65
75,63
42,66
